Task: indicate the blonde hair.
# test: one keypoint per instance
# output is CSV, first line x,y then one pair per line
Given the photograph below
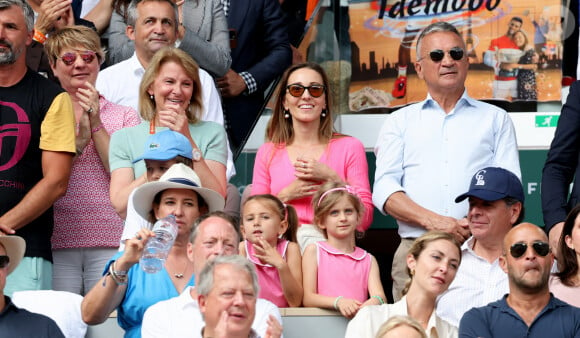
x,y
280,129
328,195
163,56
421,243
396,321
284,211
77,37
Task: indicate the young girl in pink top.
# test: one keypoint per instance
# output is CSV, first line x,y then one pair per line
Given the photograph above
x,y
337,273
269,229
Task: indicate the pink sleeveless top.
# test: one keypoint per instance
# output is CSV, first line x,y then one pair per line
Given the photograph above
x,y
268,277
342,274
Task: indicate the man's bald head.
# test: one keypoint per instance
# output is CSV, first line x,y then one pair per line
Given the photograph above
x,y
527,259
524,228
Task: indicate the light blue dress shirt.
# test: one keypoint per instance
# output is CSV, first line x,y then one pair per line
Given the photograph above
x,y
431,155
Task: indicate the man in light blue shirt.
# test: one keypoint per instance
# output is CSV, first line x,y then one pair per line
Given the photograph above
x,y
426,152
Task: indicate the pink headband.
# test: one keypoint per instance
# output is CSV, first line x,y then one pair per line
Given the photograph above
x,y
347,188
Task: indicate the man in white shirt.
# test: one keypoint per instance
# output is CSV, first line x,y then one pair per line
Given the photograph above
x,y
214,235
426,152
119,83
496,200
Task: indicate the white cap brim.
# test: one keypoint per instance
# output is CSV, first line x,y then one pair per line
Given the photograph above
x,y
15,247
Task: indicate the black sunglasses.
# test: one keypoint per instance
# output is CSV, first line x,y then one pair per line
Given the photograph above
x,y
437,55
69,58
517,250
4,260
315,90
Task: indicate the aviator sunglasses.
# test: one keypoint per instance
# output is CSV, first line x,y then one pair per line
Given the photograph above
x,y
4,260
437,55
517,250
315,90
70,57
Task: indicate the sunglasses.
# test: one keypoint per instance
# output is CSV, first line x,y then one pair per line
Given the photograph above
x,y
315,90
70,57
4,260
517,250
437,55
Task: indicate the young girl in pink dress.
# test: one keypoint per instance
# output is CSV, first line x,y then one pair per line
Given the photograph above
x,y
269,229
338,274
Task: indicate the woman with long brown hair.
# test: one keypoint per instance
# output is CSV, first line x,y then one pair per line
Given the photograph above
x,y
303,150
565,284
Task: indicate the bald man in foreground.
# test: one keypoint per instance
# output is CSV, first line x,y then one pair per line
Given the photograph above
x,y
529,310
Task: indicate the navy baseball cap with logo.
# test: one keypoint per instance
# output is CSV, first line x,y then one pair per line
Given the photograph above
x,y
166,145
492,184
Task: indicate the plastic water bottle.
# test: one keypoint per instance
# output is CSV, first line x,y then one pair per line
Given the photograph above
x,y
157,248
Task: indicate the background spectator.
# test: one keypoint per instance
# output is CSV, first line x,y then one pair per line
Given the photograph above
x,y
202,33
566,282
36,160
445,139
87,228
432,262
337,213
173,104
260,53
303,151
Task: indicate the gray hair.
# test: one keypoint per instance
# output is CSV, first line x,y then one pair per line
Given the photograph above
x,y
206,276
436,27
26,11
132,12
218,213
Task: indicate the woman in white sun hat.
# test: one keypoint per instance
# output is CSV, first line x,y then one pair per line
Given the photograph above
x,y
125,286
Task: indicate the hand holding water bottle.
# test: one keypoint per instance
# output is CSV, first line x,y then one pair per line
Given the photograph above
x,y
134,249
157,248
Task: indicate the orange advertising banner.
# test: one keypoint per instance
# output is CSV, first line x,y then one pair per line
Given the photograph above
x,y
515,48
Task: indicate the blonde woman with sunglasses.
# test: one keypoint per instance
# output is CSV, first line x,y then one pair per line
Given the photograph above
x,y
303,151
86,227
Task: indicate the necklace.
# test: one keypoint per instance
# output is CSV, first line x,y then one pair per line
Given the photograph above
x,y
180,275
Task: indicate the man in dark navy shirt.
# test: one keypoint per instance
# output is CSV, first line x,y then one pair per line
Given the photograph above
x,y
16,322
529,309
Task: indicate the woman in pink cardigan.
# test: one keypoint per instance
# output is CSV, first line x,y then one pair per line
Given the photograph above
x,y
303,151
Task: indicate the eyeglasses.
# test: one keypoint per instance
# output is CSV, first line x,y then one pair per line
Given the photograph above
x,y
517,250
315,90
69,58
4,260
437,55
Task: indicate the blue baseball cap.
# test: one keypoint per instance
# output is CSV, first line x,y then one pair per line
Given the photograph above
x,y
166,145
492,184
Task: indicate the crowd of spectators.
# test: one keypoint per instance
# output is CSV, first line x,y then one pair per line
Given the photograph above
x,y
136,115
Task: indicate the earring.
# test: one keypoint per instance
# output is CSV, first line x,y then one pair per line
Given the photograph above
x,y
151,97
412,272
323,114
286,113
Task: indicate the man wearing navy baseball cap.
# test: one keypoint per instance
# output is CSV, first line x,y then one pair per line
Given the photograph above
x,y
496,204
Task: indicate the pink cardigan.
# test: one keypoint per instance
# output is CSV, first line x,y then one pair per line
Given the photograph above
x,y
273,171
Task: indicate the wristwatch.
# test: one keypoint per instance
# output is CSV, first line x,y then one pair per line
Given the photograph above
x,y
195,155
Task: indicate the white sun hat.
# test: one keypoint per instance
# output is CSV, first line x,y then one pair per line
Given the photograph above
x,y
15,247
179,176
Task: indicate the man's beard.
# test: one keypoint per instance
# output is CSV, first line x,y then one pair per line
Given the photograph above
x,y
532,286
7,55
